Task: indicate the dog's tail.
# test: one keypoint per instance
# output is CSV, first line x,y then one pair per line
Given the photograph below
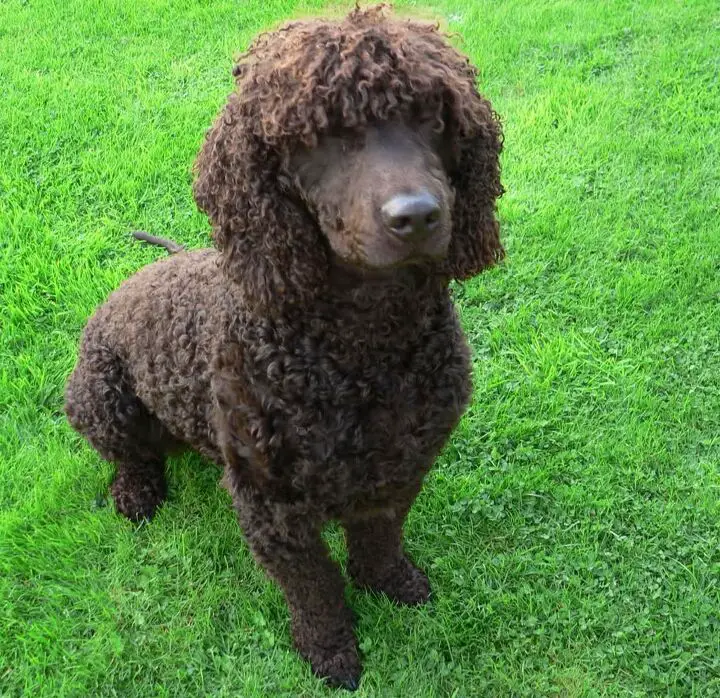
x,y
169,245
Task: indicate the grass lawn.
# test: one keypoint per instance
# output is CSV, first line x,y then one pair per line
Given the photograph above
x,y
571,529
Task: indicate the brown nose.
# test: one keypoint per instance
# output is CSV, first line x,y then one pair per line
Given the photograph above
x,y
412,217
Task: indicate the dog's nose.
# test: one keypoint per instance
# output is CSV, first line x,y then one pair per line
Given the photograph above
x,y
412,216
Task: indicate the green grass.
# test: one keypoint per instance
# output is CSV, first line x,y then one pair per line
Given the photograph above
x,y
571,530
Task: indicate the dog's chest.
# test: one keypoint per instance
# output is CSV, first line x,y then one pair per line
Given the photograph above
x,y
347,418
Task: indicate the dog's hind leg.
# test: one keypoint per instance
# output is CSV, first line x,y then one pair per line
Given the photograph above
x,y
101,404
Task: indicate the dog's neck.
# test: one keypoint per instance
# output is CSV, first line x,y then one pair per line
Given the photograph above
x,y
376,309
376,291
365,308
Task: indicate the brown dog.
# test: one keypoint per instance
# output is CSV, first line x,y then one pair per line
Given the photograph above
x,y
316,353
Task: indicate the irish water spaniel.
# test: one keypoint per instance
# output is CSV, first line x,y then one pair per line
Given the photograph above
x,y
315,353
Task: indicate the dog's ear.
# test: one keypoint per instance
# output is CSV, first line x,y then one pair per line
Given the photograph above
x,y
270,245
475,242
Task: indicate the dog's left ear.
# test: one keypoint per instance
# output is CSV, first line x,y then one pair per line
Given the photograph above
x,y
475,243
269,244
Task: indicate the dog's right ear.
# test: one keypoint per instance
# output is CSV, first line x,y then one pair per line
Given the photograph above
x,y
270,245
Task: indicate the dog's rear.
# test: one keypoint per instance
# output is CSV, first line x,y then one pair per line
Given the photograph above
x,y
140,387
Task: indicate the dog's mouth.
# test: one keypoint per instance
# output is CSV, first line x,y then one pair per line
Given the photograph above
x,y
387,255
418,260
392,253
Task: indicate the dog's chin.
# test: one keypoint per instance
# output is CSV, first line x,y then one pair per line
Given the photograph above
x,y
408,270
388,268
413,259
419,260
387,260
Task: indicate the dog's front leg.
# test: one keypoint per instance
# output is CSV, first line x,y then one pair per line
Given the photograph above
x,y
291,550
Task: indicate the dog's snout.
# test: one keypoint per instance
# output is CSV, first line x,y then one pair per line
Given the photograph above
x,y
412,216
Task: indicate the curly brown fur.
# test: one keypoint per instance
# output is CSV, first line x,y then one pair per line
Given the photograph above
x,y
316,354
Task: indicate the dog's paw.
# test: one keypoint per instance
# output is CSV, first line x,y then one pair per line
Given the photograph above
x,y
402,582
138,498
331,649
341,670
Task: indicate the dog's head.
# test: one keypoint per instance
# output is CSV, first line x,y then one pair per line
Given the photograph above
x,y
361,142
